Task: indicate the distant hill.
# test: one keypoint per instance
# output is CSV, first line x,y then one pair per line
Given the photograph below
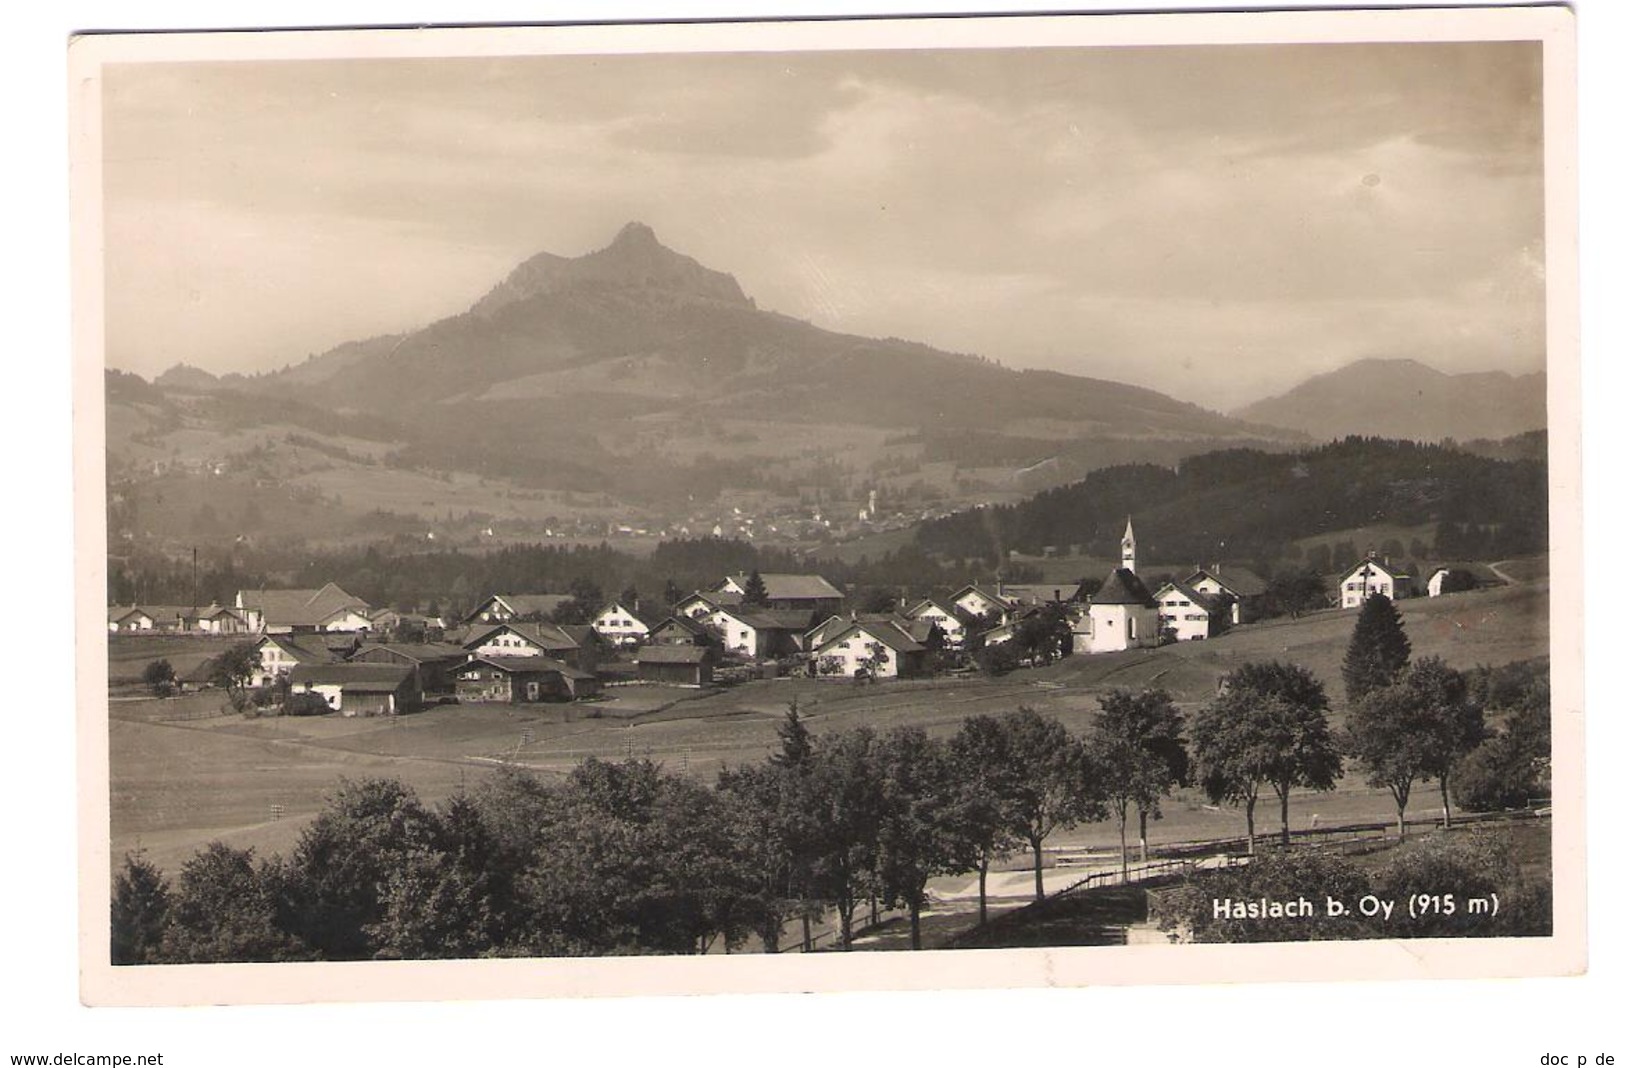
x,y
1407,399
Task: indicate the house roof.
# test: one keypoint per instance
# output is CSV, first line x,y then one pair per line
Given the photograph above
x,y
672,654
773,618
214,611
580,633
524,665
350,676
1196,597
986,593
116,613
301,608
1238,580
782,587
1123,586
888,634
524,604
1039,592
714,598
618,607
301,652
419,653
680,622
1388,569
543,635
1482,572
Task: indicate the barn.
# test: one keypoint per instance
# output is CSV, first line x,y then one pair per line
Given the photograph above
x,y
675,665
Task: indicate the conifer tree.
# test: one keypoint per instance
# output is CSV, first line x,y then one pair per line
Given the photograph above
x,y
1378,650
755,589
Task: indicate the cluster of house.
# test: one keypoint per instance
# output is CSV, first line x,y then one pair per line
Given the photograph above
x,y
325,641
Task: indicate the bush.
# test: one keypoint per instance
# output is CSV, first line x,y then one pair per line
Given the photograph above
x,y
160,678
1465,866
1188,911
305,704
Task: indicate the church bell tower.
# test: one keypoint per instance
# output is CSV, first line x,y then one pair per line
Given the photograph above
x,y
1128,547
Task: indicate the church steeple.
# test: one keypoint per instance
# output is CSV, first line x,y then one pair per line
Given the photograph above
x,y
1128,546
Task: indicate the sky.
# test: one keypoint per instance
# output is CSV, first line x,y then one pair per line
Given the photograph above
x,y
1218,223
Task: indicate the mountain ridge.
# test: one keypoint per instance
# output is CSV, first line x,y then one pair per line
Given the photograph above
x,y
1405,398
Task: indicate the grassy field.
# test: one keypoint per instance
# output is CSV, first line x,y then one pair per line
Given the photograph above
x,y
179,782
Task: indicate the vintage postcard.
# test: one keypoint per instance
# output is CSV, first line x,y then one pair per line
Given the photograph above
x,y
827,505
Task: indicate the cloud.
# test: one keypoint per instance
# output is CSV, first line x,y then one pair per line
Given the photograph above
x,y
1147,214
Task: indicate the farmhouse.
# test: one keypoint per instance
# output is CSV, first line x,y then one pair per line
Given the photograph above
x,y
1459,577
359,689
620,624
505,607
298,611
950,620
1368,577
520,680
431,663
675,665
679,630
760,633
1187,614
215,619
879,650
129,619
701,605
523,639
979,603
280,654
799,593
1244,589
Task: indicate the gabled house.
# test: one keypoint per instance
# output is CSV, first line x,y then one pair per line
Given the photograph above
x,y
1371,576
701,605
146,619
676,665
1242,588
621,624
297,611
680,630
1189,615
521,680
431,662
954,623
760,633
359,689
215,619
798,593
129,619
869,649
281,653
977,602
524,639
1460,577
506,607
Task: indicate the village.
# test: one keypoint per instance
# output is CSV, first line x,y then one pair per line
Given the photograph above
x,y
359,660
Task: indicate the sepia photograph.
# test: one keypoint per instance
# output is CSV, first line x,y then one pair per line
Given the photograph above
x,y
817,497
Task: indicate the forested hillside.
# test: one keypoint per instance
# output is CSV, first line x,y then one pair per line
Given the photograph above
x,y
1249,504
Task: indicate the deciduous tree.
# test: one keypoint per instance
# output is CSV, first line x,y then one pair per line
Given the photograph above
x,y
1138,753
1050,785
1268,726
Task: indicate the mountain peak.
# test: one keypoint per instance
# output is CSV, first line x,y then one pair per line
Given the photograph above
x,y
635,265
636,233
